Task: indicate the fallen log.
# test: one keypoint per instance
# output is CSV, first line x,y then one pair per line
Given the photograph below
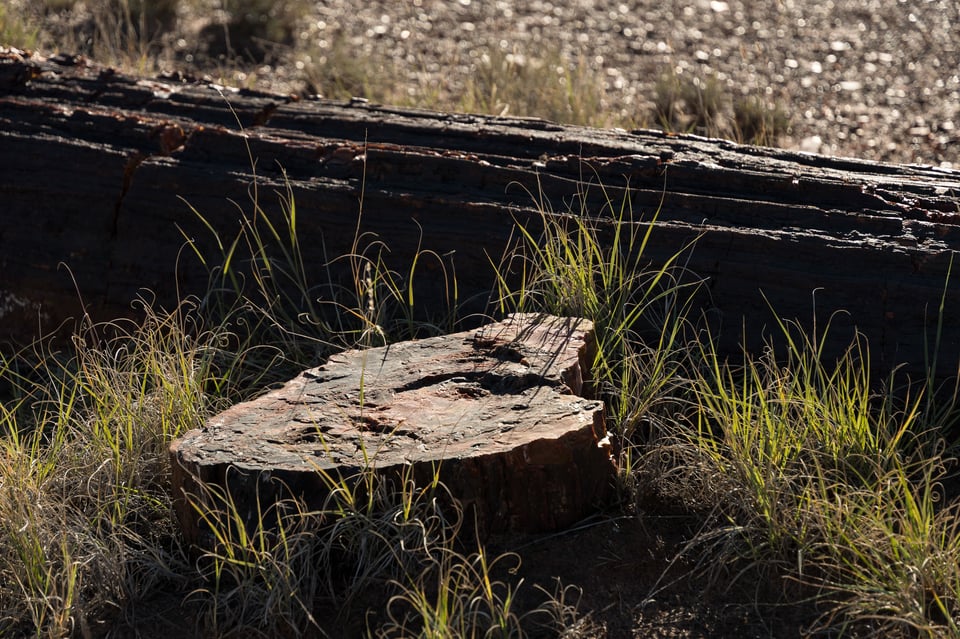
x,y
97,168
496,415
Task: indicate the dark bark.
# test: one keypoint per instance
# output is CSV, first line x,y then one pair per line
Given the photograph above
x,y
93,166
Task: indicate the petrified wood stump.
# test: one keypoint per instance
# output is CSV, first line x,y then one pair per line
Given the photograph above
x,y
502,413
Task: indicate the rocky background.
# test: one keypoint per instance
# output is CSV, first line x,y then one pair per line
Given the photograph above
x,y
874,79
877,79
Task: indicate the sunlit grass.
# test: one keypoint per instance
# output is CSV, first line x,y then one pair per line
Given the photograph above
x,y
17,30
592,263
456,596
797,466
700,104
547,84
811,474
83,484
890,552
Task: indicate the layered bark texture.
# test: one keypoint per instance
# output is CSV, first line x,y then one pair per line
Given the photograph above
x,y
102,174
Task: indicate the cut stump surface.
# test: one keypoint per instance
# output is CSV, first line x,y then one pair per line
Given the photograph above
x,y
503,413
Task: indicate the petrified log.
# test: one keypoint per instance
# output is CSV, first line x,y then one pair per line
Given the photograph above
x,y
94,163
499,413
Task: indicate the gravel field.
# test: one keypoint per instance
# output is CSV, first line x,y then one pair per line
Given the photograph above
x,y
875,79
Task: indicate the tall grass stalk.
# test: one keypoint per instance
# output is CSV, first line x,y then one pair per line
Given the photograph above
x,y
889,555
289,309
592,264
457,597
83,491
819,478
262,580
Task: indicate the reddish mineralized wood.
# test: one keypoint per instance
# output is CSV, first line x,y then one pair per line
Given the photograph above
x,y
502,414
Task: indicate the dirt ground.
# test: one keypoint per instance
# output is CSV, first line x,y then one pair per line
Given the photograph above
x,y
619,577
635,580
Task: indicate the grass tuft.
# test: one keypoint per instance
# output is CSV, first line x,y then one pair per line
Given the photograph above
x,y
83,483
18,29
548,86
756,122
456,597
688,104
794,467
592,264
810,475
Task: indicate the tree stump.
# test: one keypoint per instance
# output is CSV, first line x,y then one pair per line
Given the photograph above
x,y
502,414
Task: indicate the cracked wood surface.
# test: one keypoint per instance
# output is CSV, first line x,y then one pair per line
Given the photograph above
x,y
498,412
97,168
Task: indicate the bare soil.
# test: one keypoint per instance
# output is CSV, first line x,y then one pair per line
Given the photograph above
x,y
618,576
638,578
